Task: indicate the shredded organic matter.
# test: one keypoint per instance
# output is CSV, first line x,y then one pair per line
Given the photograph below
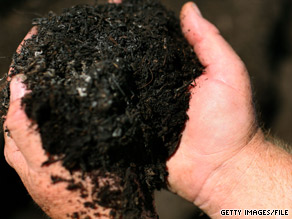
x,y
109,93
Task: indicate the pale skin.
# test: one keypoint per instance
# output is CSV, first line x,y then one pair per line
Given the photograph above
x,y
223,160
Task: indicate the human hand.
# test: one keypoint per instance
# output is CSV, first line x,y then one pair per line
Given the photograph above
x,y
221,97
24,152
222,122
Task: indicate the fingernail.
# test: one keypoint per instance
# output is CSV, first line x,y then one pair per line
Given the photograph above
x,y
196,9
17,88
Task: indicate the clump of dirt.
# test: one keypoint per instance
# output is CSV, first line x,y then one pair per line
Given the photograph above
x,y
109,93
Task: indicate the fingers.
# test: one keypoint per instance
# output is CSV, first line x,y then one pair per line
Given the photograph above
x,y
115,1
25,135
24,143
24,138
12,153
17,88
219,59
13,156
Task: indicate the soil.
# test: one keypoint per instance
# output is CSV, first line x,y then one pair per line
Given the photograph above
x,y
109,92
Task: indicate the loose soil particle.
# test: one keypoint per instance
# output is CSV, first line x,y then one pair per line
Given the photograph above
x,y
109,93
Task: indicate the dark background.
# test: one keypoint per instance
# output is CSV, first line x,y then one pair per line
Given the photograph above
x,y
260,31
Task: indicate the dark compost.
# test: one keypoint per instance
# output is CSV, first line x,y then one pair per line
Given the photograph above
x,y
109,93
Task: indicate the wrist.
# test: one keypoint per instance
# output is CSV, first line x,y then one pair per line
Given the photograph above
x,y
257,177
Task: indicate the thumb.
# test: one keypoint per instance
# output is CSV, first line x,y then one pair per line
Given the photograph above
x,y
216,55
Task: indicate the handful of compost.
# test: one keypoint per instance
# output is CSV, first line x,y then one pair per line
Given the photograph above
x,y
109,94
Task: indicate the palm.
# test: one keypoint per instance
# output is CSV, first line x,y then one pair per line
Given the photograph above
x,y
221,116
